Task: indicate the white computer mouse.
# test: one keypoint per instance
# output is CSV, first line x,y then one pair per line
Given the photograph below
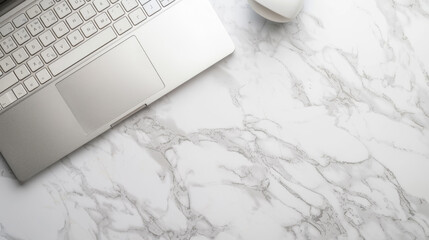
x,y
277,10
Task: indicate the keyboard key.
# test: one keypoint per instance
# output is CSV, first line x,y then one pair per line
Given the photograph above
x,y
43,76
60,29
62,9
22,72
62,46
7,81
35,27
31,84
116,12
75,4
35,64
75,38
1,55
87,12
33,47
166,2
21,36
19,91
74,21
79,53
122,26
8,45
137,16
6,29
47,38
20,20
20,55
102,20
89,29
100,5
33,11
129,4
7,64
151,7
7,99
49,18
45,4
48,55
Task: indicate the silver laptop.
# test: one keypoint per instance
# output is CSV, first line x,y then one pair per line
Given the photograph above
x,y
72,69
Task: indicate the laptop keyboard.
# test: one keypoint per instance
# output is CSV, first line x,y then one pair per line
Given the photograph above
x,y
51,36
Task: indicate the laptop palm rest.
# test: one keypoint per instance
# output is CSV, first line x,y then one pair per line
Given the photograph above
x,y
111,85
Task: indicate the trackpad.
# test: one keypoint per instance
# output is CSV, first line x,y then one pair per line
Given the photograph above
x,y
111,85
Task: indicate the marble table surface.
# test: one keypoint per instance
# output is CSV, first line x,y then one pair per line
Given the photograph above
x,y
316,129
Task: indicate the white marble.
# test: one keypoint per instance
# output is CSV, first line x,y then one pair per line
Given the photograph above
x,y
316,129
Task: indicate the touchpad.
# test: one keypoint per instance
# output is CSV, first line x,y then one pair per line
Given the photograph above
x,y
111,85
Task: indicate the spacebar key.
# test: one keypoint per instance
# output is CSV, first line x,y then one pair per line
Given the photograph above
x,y
84,50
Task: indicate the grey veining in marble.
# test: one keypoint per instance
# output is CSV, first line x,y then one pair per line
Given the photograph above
x,y
316,129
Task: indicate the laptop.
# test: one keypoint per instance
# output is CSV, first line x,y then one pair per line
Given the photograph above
x,y
73,69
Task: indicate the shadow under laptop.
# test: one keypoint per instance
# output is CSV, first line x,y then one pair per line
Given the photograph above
x,y
5,170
